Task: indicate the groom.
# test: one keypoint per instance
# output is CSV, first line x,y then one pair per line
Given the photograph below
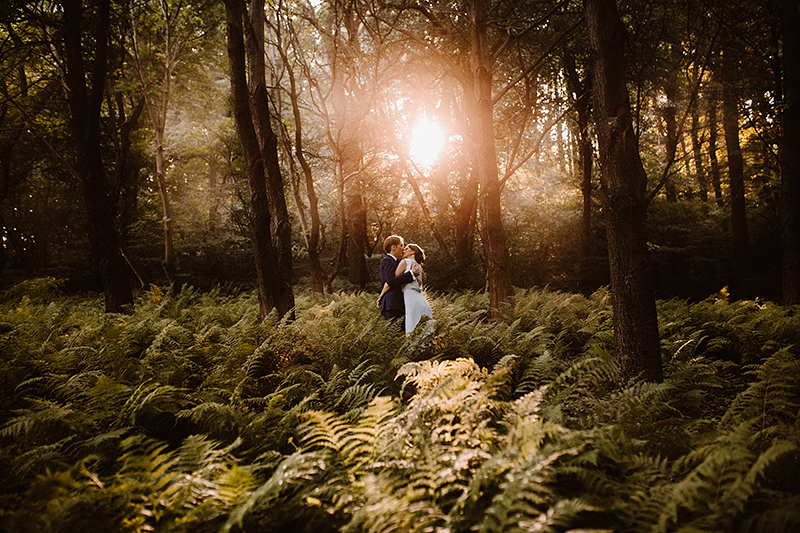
x,y
392,304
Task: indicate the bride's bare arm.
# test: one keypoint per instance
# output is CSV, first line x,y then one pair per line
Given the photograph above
x,y
401,267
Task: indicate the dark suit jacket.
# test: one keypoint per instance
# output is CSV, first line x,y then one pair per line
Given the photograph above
x,y
392,303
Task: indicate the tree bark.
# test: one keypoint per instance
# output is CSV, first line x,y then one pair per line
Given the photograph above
x,y
623,194
581,92
498,281
741,241
280,228
426,212
697,154
313,234
466,221
274,291
99,194
713,161
158,119
790,151
356,238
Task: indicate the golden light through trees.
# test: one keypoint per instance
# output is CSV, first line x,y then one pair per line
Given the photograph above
x,y
427,142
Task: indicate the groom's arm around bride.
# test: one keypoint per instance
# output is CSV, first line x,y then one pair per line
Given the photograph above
x,y
392,303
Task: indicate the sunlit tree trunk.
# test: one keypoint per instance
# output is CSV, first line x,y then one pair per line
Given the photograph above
x,y
341,250
313,233
356,235
158,119
738,213
426,212
274,291
713,160
624,198
466,222
498,281
669,112
790,150
697,153
99,194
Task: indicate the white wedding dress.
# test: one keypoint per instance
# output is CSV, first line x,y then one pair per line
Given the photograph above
x,y
417,305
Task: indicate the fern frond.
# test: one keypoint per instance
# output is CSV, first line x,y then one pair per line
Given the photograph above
x,y
354,399
214,418
42,416
297,469
783,515
107,395
397,505
772,401
525,498
50,456
147,461
148,395
540,370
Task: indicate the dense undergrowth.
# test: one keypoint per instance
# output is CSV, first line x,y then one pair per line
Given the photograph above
x,y
190,414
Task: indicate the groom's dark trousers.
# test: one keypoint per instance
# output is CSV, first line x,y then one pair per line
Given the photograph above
x,y
393,305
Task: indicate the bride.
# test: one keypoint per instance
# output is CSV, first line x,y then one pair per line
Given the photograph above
x,y
416,304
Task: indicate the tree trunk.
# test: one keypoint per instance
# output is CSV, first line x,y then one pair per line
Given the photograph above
x,y
741,242
312,235
99,195
341,251
790,151
426,212
5,180
671,123
498,281
716,181
158,119
281,228
274,291
466,220
623,193
356,237
697,153
166,210
582,94
125,175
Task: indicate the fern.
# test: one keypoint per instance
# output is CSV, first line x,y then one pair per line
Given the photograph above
x,y
217,420
338,425
772,401
149,399
297,470
353,444
725,486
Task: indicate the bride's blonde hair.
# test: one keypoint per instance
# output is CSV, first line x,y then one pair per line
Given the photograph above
x,y
419,253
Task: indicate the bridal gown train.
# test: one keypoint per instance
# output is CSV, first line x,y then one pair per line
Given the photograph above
x,y
417,305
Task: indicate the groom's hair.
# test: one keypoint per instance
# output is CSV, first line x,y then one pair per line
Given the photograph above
x,y
390,241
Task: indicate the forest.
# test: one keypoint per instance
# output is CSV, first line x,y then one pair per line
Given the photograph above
x,y
194,199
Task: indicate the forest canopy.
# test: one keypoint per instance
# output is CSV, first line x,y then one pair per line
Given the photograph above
x,y
347,87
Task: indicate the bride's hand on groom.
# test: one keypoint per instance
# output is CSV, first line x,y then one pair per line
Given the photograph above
x,y
416,269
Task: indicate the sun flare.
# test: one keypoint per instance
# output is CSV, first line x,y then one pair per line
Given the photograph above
x,y
427,141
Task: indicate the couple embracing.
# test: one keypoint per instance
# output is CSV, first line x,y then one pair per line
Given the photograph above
x,y
402,277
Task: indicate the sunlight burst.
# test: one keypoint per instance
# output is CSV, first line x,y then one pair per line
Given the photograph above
x,y
427,141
